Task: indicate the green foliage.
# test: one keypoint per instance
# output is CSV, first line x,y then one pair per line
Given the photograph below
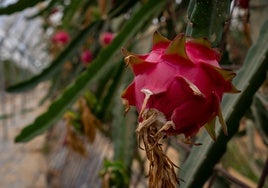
x,y
58,107
207,19
11,69
260,115
101,83
56,65
114,174
249,78
235,158
18,6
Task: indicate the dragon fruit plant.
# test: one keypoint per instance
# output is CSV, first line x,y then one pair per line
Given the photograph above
x,y
177,89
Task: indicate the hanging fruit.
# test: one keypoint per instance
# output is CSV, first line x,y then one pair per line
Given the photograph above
x,y
177,89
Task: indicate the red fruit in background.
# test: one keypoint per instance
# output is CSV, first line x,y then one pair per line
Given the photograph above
x,y
54,10
60,37
243,4
106,38
86,57
178,86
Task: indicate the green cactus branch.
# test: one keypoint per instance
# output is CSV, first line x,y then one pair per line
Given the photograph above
x,y
196,170
207,19
18,6
200,18
69,96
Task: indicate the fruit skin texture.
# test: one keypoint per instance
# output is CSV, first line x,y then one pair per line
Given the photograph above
x,y
182,81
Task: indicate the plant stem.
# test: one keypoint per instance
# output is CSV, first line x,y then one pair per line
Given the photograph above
x,y
199,18
207,19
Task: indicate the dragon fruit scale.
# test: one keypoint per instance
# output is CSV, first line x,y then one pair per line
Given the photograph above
x,y
177,89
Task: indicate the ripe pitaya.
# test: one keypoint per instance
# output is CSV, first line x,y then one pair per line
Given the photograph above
x,y
177,89
86,57
242,4
106,38
61,37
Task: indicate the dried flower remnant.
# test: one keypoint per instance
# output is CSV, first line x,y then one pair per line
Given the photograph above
x,y
73,140
172,84
81,127
88,120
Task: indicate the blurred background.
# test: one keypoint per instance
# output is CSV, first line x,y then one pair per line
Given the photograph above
x,y
62,74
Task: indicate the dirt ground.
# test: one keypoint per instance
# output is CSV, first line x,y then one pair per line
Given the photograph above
x,y
22,165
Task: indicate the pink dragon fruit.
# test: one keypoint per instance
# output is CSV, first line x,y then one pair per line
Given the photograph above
x,y
242,4
61,37
177,89
106,38
86,57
